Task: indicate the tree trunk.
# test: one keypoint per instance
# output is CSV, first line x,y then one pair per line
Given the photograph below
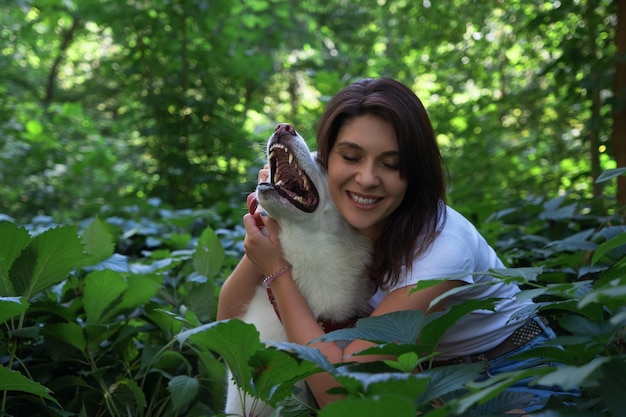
x,y
618,136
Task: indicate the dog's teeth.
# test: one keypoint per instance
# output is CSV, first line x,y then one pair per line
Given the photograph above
x,y
278,183
299,199
290,158
271,155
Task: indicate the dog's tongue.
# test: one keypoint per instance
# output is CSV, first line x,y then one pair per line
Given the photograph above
x,y
253,204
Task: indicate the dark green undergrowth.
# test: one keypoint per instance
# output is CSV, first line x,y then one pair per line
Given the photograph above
x,y
116,317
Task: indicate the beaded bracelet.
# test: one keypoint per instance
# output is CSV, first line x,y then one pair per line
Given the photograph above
x,y
268,279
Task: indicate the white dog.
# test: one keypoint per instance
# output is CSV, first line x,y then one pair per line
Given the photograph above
x,y
328,256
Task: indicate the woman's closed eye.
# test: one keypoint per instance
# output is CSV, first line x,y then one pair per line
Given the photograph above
x,y
394,165
351,158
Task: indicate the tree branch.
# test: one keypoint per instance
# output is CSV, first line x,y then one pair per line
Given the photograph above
x,y
54,70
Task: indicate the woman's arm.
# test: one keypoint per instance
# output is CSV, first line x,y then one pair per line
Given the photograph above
x,y
300,324
238,290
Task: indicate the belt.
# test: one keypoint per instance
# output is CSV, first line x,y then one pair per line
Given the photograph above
x,y
518,338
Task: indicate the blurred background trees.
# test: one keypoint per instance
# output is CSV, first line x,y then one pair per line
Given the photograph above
x,y
107,103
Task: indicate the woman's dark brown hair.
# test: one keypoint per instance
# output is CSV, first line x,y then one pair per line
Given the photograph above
x,y
412,228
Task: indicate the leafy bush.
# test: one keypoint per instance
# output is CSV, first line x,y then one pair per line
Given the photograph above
x,y
117,318
91,331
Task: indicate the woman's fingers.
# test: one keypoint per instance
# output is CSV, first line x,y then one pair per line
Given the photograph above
x,y
264,174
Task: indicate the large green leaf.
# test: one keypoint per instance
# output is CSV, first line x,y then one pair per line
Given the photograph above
x,y
235,341
13,241
98,242
46,261
209,256
15,381
183,390
439,324
102,289
11,307
396,327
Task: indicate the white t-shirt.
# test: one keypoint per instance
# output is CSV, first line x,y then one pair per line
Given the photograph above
x,y
459,248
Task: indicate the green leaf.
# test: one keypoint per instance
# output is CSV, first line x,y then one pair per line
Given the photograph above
x,y
520,275
571,377
183,390
613,290
370,407
448,379
98,242
395,349
70,333
493,386
15,381
13,241
11,307
609,245
305,353
128,396
99,333
102,288
235,341
201,299
274,374
406,385
209,256
610,174
406,362
46,261
440,323
139,290
168,322
397,327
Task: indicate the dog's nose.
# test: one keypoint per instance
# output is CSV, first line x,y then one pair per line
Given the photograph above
x,y
285,128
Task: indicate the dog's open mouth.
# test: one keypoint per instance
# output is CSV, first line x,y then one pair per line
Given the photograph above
x,y
290,181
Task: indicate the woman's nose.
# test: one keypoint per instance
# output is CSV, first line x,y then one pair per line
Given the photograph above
x,y
367,175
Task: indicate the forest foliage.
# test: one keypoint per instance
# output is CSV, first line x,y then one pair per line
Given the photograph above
x,y
106,103
131,132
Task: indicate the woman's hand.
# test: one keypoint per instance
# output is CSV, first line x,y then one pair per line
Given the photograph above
x,y
262,245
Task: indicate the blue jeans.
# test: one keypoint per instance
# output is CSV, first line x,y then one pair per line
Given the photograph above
x,y
538,395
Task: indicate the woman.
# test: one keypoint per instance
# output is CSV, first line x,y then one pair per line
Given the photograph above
x,y
386,177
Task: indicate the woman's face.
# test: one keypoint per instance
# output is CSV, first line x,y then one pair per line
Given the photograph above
x,y
364,175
